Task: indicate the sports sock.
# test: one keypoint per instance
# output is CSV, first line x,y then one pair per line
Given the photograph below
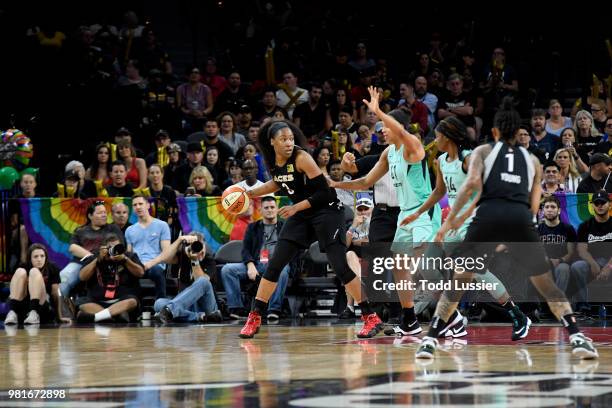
x,y
408,315
569,322
102,315
365,307
259,306
437,324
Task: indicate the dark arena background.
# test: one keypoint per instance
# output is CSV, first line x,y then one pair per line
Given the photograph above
x,y
134,264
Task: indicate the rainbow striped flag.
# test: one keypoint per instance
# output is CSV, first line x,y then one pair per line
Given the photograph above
x,y
206,215
52,221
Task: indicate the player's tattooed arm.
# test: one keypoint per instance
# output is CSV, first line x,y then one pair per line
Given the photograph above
x,y
536,188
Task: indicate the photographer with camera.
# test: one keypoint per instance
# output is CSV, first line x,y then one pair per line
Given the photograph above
x,y
111,275
196,302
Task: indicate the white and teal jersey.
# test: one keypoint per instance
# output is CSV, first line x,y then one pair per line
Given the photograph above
x,y
413,187
411,180
454,177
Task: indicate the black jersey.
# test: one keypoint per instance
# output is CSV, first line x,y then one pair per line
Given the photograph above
x,y
294,183
508,174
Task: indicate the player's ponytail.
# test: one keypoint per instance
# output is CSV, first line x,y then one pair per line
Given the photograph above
x,y
507,120
455,130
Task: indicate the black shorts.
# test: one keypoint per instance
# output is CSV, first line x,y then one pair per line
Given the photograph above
x,y
326,226
383,224
514,231
121,294
357,249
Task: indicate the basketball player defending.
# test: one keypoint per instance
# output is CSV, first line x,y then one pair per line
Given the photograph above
x,y
508,179
316,214
451,172
405,161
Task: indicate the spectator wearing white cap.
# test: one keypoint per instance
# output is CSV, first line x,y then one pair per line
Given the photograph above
x,y
356,237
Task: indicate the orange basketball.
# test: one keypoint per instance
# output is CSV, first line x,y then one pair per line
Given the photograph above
x,y
234,200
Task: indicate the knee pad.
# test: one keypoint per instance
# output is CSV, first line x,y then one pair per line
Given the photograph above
x,y
272,272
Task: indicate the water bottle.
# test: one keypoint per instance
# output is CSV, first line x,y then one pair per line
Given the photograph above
x,y
603,313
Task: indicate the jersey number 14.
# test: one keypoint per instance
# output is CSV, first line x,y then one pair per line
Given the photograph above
x,y
450,186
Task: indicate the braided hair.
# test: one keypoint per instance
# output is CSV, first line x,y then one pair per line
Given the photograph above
x,y
455,130
269,131
507,120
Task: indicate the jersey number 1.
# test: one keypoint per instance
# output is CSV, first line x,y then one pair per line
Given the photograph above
x,y
510,158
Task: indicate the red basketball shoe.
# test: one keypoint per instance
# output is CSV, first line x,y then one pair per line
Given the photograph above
x,y
251,327
371,326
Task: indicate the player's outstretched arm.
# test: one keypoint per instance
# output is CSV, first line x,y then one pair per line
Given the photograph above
x,y
267,188
380,169
413,148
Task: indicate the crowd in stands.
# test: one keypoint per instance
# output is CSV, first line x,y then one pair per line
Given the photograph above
x,y
196,135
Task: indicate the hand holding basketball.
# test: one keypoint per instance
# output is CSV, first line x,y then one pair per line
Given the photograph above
x,y
235,200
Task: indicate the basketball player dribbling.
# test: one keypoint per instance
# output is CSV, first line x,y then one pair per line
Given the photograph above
x,y
316,214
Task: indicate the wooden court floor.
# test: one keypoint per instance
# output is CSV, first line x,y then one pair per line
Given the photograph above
x,y
312,364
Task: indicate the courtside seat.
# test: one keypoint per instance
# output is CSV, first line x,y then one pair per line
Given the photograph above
x,y
230,252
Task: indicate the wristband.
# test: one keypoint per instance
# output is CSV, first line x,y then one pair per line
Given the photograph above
x,y
195,263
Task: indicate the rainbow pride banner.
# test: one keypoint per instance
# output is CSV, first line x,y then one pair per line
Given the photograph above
x,y
51,221
206,215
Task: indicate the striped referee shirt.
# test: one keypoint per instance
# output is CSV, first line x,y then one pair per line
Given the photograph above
x,y
384,192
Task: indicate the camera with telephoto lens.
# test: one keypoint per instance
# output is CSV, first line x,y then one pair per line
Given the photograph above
x,y
195,247
118,249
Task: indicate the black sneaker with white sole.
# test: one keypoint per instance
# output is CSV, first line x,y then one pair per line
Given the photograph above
x,y
456,319
456,331
404,330
520,324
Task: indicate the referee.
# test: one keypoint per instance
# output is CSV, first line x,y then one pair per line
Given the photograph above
x,y
386,209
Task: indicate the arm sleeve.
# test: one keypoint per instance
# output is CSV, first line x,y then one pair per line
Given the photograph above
x,y
134,258
88,259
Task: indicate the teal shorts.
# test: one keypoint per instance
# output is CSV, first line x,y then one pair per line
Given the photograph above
x,y
412,235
